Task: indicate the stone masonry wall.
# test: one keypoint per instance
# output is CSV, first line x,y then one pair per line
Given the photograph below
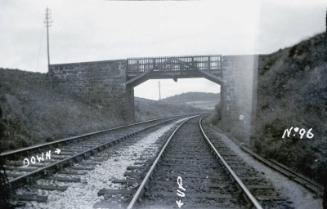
x,y
239,94
97,83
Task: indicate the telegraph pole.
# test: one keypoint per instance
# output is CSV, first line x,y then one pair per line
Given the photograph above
x,y
159,90
325,44
326,27
48,22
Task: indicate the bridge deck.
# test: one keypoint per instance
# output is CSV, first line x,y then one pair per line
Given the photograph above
x,y
176,65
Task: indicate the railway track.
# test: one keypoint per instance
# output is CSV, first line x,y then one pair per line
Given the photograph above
x,y
188,166
284,170
206,173
260,187
72,150
299,178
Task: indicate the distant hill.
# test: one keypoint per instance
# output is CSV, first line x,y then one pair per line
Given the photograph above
x,y
205,101
146,109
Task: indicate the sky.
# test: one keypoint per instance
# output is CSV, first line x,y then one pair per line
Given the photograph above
x,y
92,30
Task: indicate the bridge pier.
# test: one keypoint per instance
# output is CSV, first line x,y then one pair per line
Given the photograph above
x,y
239,94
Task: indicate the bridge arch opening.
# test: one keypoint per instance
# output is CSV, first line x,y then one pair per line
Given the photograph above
x,y
195,93
140,70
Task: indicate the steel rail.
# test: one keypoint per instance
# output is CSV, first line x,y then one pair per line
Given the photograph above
x,y
299,178
252,200
145,180
16,182
287,172
11,153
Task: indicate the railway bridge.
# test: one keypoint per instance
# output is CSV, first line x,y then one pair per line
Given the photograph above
x,y
111,83
142,69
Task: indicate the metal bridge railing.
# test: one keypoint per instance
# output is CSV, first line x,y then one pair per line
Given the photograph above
x,y
164,64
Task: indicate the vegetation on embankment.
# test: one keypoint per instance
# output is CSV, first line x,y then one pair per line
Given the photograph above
x,y
4,191
292,91
34,112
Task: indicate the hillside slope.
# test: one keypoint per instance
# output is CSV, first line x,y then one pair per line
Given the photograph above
x,y
292,91
205,101
34,112
146,109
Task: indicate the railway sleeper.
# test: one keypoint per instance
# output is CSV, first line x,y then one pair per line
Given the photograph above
x,y
262,186
272,193
193,196
69,150
135,175
50,187
220,185
137,167
66,151
72,172
30,197
60,157
175,167
15,174
269,198
88,168
190,176
248,180
14,163
140,163
189,161
206,190
108,193
119,181
131,173
99,159
245,175
88,163
65,179
27,169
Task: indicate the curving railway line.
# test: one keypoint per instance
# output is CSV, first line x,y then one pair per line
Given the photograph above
x,y
212,176
187,166
72,150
